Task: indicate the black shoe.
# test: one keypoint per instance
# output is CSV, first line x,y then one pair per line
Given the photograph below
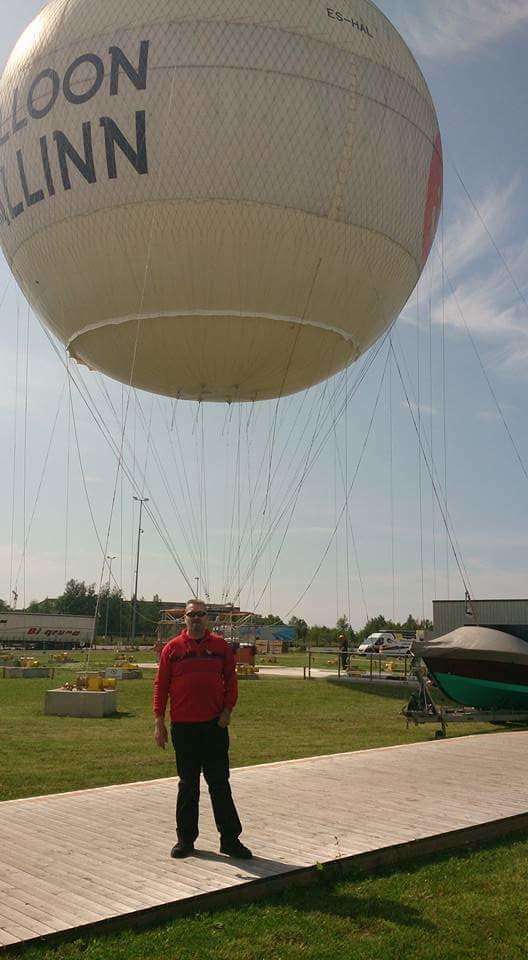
x,y
234,848
181,850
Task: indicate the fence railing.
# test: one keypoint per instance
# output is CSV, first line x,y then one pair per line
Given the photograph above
x,y
369,666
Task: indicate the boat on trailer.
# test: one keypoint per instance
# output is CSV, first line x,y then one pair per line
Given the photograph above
x,y
479,667
483,669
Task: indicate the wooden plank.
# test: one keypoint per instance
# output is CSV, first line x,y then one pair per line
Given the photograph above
x,y
74,861
98,898
9,914
56,914
7,939
191,879
18,931
150,883
35,890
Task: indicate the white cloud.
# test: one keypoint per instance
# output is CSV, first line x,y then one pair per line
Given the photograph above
x,y
484,305
517,361
423,408
479,291
489,539
311,531
455,27
473,268
467,237
493,416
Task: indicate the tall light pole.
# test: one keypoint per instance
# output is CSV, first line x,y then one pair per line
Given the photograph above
x,y
108,595
197,586
141,501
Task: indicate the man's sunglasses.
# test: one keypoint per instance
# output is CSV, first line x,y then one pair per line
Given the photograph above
x,y
196,613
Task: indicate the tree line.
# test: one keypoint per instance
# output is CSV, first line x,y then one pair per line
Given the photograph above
x,y
323,636
114,613
115,617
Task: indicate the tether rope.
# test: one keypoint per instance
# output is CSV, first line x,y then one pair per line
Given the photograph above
x,y
312,460
27,531
419,419
102,426
430,466
391,488
24,467
489,383
356,472
158,459
12,586
185,489
431,431
67,496
444,397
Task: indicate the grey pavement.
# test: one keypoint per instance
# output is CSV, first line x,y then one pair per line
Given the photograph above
x,y
316,674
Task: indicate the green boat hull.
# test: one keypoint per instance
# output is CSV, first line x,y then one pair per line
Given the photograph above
x,y
483,694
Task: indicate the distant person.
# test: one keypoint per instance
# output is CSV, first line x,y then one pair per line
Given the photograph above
x,y
343,647
197,673
158,647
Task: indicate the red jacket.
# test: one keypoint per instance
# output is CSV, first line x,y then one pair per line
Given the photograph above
x,y
198,676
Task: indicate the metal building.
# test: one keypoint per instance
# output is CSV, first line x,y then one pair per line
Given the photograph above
x,y
508,615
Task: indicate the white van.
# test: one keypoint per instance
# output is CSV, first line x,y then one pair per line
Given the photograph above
x,y
385,642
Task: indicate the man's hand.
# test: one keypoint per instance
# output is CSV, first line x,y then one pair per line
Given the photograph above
x,y
224,718
160,733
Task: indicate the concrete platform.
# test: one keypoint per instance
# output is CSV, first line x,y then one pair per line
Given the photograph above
x,y
317,673
119,674
80,703
86,861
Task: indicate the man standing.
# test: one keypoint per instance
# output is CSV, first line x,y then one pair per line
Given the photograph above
x,y
343,648
197,673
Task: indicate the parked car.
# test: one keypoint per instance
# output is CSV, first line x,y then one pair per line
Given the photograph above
x,y
385,642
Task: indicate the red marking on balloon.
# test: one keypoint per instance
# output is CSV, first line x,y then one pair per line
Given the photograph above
x,y
433,204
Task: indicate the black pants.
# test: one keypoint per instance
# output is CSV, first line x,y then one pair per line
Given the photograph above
x,y
203,747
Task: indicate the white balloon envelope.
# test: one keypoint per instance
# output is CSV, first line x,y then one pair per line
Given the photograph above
x,y
216,199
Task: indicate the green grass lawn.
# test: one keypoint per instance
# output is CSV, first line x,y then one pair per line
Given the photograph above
x,y
296,658
86,659
449,908
276,719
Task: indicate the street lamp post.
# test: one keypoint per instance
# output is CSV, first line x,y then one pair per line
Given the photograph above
x,y
141,501
197,586
108,595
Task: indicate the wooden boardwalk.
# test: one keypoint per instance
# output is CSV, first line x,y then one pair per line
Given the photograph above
x,y
84,860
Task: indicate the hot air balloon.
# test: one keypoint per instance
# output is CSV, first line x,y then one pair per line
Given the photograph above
x,y
219,199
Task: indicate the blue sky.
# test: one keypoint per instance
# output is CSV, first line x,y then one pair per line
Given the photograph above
x,y
394,558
